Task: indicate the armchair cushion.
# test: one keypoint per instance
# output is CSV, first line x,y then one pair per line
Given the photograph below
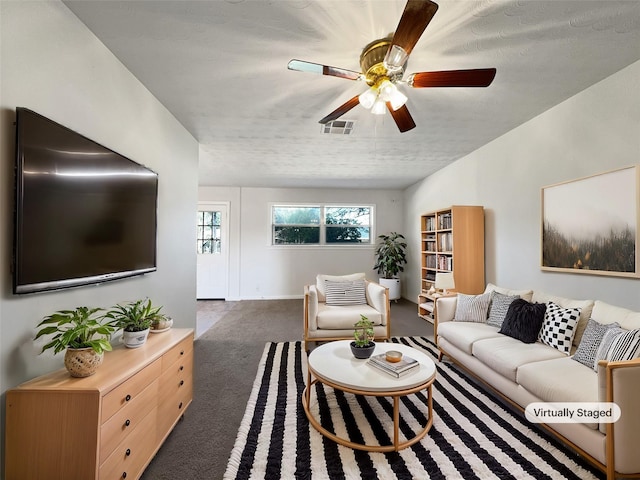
x,y
320,279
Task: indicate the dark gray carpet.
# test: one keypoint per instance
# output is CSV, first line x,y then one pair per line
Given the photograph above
x,y
226,359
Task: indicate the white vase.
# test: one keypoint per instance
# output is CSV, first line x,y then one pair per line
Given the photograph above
x,y
393,284
135,339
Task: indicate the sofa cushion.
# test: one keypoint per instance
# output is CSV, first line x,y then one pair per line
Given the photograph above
x,y
320,279
524,294
618,344
345,293
523,320
585,306
464,334
605,313
586,352
547,380
472,308
505,354
498,308
345,317
558,327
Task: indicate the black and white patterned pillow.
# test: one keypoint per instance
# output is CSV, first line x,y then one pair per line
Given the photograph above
x,y
499,307
472,308
559,327
590,342
618,344
345,293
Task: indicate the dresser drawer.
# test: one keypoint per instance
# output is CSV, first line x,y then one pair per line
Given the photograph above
x,y
181,350
127,419
131,455
129,389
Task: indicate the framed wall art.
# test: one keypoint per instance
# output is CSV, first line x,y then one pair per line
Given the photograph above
x,y
590,225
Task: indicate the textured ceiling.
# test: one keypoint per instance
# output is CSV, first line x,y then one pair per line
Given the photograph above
x,y
221,68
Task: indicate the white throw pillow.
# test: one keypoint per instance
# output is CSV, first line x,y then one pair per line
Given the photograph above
x,y
472,308
559,327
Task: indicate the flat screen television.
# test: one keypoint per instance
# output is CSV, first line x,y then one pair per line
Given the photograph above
x,y
83,215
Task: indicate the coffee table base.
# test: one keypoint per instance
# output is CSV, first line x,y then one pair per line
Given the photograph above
x,y
397,445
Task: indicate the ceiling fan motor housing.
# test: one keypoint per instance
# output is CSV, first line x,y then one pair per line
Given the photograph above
x,y
372,63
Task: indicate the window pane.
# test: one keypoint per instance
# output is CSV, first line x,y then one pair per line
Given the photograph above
x,y
296,215
208,218
347,216
296,235
346,234
215,246
216,218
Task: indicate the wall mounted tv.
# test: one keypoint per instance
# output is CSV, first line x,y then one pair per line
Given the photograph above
x,y
83,215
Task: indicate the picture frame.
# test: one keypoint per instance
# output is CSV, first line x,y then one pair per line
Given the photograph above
x,y
591,225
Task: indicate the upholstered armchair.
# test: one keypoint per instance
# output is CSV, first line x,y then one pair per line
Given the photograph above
x,y
334,304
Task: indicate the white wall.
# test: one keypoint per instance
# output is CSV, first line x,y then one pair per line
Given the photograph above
x,y
52,64
595,131
260,270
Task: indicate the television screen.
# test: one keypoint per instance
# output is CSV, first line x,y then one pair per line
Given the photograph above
x,y
84,214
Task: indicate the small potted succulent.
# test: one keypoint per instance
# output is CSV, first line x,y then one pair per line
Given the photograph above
x,y
363,346
83,333
135,319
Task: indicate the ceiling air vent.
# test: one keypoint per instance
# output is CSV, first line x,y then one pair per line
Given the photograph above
x,y
340,127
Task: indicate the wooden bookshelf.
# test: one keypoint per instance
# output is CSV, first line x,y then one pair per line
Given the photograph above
x,y
452,240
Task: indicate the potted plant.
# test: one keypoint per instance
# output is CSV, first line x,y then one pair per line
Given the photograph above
x,y
363,346
390,256
135,319
83,333
161,322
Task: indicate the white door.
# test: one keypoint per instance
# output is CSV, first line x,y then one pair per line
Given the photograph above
x,y
213,251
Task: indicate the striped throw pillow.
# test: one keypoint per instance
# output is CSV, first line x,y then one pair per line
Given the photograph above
x,y
499,307
345,293
472,308
618,344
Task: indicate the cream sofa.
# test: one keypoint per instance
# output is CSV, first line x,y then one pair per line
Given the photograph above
x,y
524,373
324,322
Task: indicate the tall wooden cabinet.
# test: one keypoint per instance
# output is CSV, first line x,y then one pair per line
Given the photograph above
x,y
106,426
452,240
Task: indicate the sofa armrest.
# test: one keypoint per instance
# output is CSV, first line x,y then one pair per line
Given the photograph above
x,y
378,299
622,386
446,308
310,308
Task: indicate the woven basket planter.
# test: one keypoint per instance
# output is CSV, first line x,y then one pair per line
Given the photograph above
x,y
82,362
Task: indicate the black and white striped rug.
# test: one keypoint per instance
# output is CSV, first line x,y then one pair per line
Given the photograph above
x,y
473,435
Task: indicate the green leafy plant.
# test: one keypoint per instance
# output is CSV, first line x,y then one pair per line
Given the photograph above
x,y
363,333
134,316
390,255
82,327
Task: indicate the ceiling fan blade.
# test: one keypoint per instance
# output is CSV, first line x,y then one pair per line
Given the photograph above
x,y
481,77
402,117
302,66
415,18
341,110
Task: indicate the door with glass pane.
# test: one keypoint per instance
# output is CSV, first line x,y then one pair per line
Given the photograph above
x,y
213,251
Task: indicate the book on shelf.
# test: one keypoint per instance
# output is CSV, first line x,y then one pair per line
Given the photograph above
x,y
398,369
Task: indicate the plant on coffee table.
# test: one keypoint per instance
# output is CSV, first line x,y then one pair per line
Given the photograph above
x,y
363,345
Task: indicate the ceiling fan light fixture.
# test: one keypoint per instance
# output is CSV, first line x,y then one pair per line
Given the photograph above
x,y
368,98
379,107
398,99
395,58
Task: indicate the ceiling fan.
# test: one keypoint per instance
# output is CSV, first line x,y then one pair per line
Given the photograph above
x,y
383,62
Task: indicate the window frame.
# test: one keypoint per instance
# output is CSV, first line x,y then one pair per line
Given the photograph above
x,y
322,243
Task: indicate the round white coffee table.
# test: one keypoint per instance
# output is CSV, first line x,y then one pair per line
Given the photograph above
x,y
334,365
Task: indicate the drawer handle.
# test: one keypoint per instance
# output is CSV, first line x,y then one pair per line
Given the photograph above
x,y
128,452
180,406
181,352
127,398
181,367
124,474
181,382
127,422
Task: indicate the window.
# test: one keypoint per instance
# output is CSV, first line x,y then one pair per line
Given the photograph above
x,y
321,225
208,239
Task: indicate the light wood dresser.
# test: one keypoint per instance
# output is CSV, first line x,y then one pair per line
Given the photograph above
x,y
106,426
